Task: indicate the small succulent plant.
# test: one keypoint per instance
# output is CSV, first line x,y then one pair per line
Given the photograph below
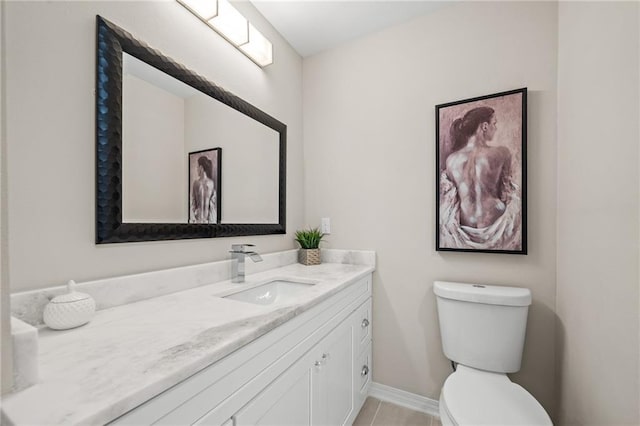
x,y
309,238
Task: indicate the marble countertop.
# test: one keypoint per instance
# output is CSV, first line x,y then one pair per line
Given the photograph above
x,y
131,353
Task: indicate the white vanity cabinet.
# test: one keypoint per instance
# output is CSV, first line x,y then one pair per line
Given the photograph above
x,y
312,370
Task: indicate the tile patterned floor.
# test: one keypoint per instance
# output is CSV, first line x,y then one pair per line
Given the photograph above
x,y
380,413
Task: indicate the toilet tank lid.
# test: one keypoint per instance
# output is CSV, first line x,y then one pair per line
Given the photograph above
x,y
480,293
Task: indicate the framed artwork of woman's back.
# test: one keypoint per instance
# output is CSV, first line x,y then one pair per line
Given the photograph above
x,y
481,174
205,174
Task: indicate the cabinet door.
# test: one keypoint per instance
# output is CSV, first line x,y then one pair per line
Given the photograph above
x,y
286,401
338,375
333,387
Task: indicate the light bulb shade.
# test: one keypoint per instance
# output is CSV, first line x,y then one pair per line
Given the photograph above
x,y
259,49
204,9
230,23
235,28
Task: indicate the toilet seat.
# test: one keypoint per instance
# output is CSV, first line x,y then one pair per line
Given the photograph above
x,y
476,397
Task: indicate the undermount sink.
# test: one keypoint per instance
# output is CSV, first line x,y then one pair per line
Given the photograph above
x,y
272,292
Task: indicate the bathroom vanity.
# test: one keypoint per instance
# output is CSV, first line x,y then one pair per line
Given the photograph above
x,y
313,369
292,345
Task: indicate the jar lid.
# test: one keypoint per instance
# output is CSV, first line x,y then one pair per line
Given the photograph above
x,y
71,296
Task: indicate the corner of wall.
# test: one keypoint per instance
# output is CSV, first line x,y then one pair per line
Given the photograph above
x,y
638,46
558,325
598,275
5,346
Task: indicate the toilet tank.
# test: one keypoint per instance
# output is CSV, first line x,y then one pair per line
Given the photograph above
x,y
483,326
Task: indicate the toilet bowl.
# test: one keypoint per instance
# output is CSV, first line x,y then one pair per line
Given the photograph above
x,y
483,330
476,397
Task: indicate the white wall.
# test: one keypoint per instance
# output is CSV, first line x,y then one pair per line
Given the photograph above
x,y
5,326
598,136
51,138
369,133
154,166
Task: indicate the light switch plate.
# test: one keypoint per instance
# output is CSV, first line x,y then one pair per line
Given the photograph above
x,y
325,226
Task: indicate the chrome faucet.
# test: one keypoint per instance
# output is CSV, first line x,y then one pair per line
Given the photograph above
x,y
238,254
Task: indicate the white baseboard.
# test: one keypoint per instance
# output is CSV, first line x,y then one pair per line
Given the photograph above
x,y
404,399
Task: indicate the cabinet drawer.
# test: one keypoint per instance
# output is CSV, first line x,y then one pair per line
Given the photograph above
x,y
362,326
362,373
363,369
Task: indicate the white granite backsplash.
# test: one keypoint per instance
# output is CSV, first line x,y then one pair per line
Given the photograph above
x,y
351,257
28,306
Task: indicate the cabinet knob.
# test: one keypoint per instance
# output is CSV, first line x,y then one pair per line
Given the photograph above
x,y
365,323
365,370
322,361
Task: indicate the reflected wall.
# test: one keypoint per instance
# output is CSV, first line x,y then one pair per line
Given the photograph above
x,y
164,120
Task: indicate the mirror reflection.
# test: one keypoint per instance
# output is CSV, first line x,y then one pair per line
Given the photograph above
x,y
188,158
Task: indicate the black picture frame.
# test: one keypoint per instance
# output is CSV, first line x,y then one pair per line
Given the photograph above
x,y
497,156
111,42
216,176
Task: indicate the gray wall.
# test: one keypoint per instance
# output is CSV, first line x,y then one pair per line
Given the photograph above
x,y
369,163
50,132
598,136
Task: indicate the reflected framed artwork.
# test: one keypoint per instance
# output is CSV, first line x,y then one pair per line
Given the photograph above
x,y
205,174
481,174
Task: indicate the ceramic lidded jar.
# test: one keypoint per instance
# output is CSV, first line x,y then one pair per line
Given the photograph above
x,y
69,310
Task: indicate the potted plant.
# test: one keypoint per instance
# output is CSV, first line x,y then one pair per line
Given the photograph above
x,y
309,240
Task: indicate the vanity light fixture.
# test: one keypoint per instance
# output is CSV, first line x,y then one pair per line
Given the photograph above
x,y
225,19
230,23
258,48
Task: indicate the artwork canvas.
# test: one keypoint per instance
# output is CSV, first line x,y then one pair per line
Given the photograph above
x,y
204,186
481,174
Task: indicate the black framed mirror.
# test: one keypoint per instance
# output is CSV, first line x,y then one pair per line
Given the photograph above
x,y
245,171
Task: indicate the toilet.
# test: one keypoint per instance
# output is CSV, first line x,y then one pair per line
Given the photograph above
x,y
483,330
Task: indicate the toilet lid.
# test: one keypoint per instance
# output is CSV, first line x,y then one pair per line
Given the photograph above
x,y
474,397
